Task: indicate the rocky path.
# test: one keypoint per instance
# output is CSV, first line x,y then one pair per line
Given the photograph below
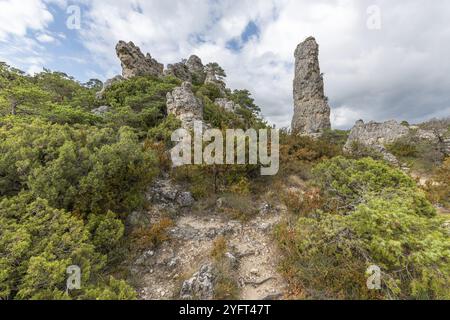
x,y
161,273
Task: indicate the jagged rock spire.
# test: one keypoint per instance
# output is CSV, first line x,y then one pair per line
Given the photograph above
x,y
135,63
311,113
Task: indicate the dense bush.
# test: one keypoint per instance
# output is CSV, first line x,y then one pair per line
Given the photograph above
x,y
359,150
402,148
82,169
438,188
53,96
139,102
345,182
37,245
369,214
420,154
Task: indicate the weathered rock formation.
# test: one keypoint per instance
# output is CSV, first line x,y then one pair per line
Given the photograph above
x,y
311,112
196,68
135,63
165,194
183,103
211,77
179,70
228,105
374,133
200,286
376,136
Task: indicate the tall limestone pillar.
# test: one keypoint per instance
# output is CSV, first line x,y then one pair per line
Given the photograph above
x,y
311,110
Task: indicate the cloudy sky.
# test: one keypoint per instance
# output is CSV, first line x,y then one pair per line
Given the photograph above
x,y
382,59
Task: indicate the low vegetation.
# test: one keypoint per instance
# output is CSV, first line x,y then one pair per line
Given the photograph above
x,y
366,213
69,179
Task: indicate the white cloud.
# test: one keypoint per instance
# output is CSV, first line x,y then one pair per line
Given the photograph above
x,y
396,72
17,17
45,38
23,32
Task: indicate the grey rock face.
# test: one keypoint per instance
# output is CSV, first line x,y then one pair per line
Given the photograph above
x,y
377,135
135,63
196,68
100,111
185,199
374,133
311,110
183,103
228,105
200,286
165,193
212,78
108,84
180,71
191,70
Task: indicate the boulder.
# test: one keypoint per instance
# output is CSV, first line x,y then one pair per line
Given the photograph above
x,y
167,194
200,286
376,134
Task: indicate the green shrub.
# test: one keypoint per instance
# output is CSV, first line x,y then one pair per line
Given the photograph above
x,y
368,214
344,182
359,150
329,254
139,102
438,188
37,245
82,169
402,149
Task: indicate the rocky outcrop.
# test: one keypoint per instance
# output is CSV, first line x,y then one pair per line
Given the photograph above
x,y
211,77
197,69
108,84
228,105
200,286
191,70
165,194
135,63
186,107
311,110
376,136
179,70
374,133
